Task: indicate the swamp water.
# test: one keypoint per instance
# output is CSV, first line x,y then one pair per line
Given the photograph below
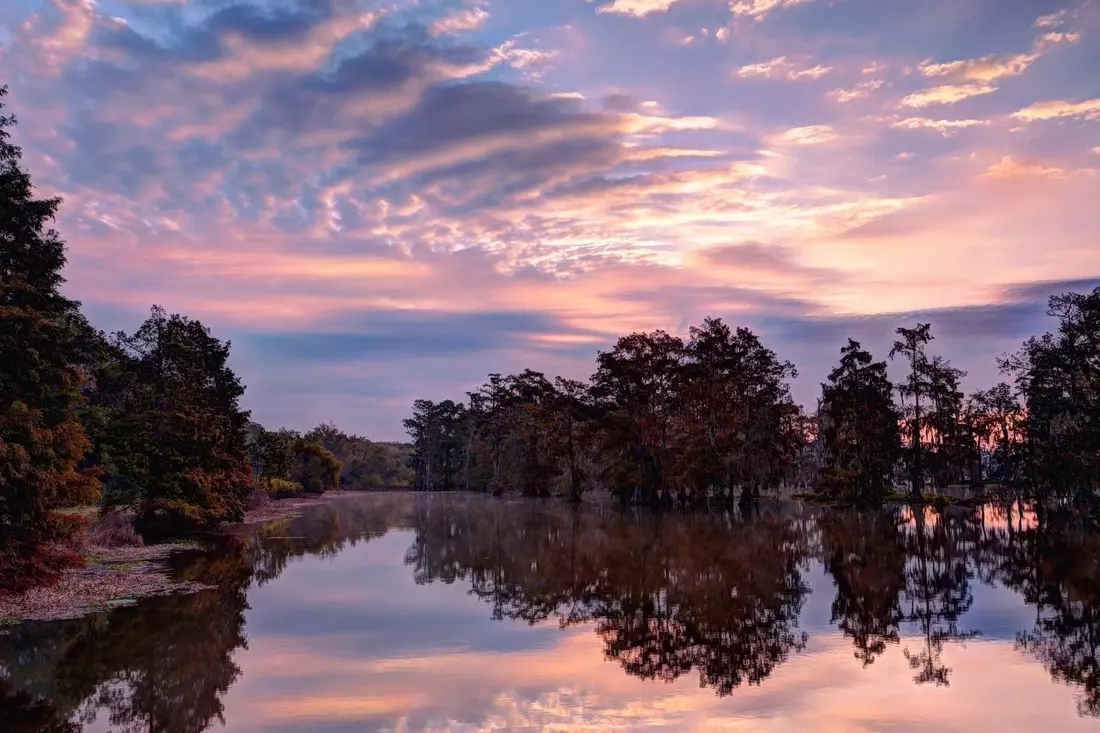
x,y
418,612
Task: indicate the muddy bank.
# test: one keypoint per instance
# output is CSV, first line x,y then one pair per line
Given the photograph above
x,y
121,576
282,509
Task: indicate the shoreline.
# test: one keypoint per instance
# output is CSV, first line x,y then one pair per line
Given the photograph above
x,y
112,577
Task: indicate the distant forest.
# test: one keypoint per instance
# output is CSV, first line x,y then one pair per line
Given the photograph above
x,y
709,419
148,423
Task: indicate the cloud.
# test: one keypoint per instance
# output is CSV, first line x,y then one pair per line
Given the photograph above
x,y
861,91
1039,292
465,19
984,69
1088,109
760,9
809,135
637,8
947,94
976,76
1049,39
421,334
815,72
1009,167
767,262
1052,20
946,128
764,68
782,67
530,60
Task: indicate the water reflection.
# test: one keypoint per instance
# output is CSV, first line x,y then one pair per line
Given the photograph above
x,y
721,599
718,596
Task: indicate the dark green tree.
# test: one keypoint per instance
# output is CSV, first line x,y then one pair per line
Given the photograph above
x,y
271,452
1059,376
440,437
188,443
859,428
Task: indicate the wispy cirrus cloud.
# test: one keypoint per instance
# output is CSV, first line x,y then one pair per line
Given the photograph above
x,y
463,19
783,68
944,127
946,94
1088,109
862,90
809,135
972,77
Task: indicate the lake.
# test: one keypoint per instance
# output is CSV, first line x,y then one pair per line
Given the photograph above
x,y
445,612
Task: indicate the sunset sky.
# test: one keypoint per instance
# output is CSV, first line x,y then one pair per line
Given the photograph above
x,y
379,201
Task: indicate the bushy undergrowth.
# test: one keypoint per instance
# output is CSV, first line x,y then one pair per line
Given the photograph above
x,y
114,529
275,488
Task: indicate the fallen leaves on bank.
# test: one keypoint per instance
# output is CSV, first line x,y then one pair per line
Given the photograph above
x,y
112,577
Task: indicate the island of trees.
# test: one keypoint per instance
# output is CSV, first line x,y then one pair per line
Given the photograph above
x,y
149,422
709,420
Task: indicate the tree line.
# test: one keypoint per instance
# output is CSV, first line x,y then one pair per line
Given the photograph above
x,y
709,419
148,421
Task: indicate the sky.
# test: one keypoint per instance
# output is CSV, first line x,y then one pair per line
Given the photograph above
x,y
378,201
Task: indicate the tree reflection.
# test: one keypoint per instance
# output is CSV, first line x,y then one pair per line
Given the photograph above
x,y
161,667
1053,563
937,589
22,712
165,665
714,595
864,553
666,595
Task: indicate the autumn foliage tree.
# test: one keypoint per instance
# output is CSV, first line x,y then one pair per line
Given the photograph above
x,y
41,438
314,467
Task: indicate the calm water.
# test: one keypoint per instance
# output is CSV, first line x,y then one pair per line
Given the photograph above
x,y
405,612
